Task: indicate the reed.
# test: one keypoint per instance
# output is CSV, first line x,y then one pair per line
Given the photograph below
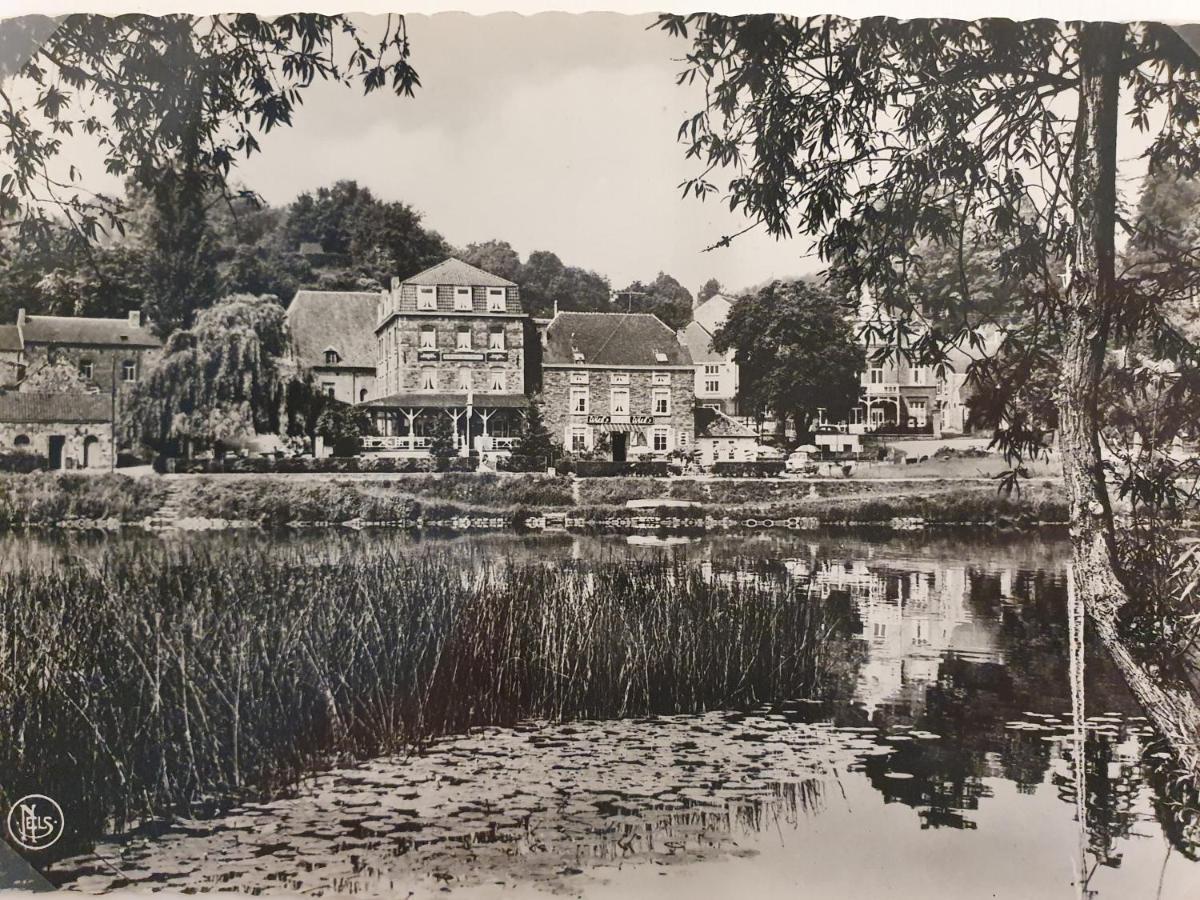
x,y
163,682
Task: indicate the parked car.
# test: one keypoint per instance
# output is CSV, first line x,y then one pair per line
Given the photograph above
x,y
800,462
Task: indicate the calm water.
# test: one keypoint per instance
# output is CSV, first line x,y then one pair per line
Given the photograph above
x,y
949,767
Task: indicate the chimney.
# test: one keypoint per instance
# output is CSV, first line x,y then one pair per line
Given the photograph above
x,y
395,282
135,318
556,306
21,317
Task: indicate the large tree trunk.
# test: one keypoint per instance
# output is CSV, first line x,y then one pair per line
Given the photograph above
x,y
1092,301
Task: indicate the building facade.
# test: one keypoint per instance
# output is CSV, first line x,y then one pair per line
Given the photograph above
x,y
617,384
332,336
720,438
108,354
72,431
449,342
716,373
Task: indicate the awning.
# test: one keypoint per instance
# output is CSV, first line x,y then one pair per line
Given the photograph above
x,y
621,427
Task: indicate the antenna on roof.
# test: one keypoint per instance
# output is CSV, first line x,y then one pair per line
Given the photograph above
x,y
613,295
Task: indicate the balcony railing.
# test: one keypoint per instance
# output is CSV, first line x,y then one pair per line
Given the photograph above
x,y
396,442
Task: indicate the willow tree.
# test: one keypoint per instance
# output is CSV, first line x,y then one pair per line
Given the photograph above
x,y
877,136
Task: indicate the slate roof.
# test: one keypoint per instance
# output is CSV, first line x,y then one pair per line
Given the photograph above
x,y
455,271
44,408
87,330
612,339
340,320
698,340
712,423
447,400
10,338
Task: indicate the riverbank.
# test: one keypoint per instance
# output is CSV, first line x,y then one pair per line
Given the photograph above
x,y
472,500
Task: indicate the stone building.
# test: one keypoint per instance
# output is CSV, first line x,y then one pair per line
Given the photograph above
x,y
71,430
332,335
110,354
617,380
720,438
450,341
716,373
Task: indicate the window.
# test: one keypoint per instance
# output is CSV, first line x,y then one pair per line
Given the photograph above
x,y
464,379
426,298
497,380
877,416
327,388
917,411
879,630
496,339
662,402
86,369
463,339
683,439
332,358
496,300
619,402
712,369
579,439
428,337
580,400
362,395
129,371
21,440
920,375
462,299
876,375
661,378
618,378
428,378
712,385
660,440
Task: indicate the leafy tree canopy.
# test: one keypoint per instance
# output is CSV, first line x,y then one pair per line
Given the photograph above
x,y
543,278
796,352
708,290
664,297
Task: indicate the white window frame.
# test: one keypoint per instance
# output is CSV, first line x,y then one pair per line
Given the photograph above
x,y
612,401
129,373
496,339
579,438
584,394
462,299
462,338
329,389
426,298
497,299
664,395
496,380
712,386
87,369
712,368
919,375
661,379
663,435
919,410
875,375
432,332
428,378
464,378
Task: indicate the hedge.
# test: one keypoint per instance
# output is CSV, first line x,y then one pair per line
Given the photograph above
x,y
22,461
760,468
601,468
238,465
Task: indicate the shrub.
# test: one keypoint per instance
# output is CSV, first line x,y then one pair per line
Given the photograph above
x,y
600,468
332,465
21,461
49,497
615,491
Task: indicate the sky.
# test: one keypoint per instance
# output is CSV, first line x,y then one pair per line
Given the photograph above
x,y
552,132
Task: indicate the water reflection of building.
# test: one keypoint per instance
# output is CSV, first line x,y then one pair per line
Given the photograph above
x,y
911,618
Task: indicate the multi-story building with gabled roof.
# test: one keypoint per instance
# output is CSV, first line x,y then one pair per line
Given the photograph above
x,y
621,380
450,341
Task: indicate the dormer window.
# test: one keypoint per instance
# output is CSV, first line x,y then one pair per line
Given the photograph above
x,y
426,298
332,358
496,300
578,355
462,299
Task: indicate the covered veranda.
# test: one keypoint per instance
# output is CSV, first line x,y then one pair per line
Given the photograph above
x,y
406,422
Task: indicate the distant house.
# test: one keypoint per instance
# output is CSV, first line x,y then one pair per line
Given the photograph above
x,y
72,431
621,379
720,438
332,336
716,373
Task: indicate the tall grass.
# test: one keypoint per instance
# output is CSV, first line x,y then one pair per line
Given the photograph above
x,y
159,681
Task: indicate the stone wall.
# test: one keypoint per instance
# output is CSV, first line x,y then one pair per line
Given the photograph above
x,y
401,366
85,445
106,362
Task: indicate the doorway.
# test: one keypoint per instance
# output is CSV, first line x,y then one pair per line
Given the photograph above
x,y
90,445
620,446
55,448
